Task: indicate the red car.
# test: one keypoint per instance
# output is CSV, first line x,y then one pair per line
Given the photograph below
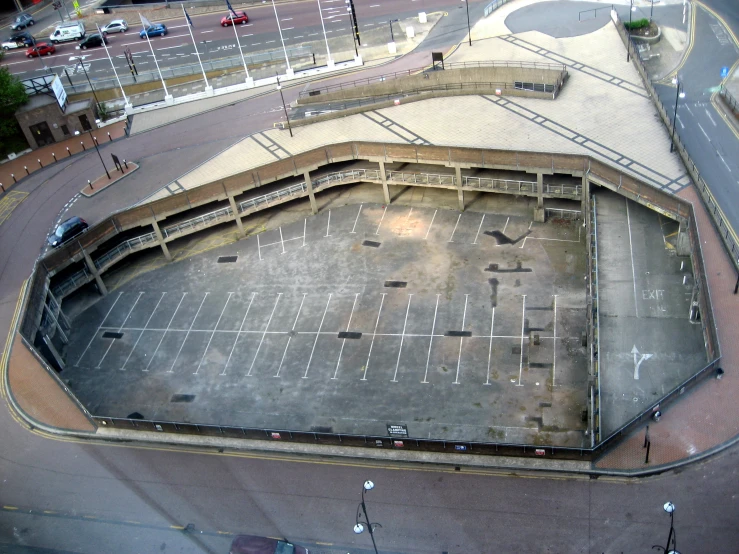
x,y
238,18
41,49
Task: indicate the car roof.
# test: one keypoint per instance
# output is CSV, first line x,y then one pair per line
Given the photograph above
x,y
71,221
117,21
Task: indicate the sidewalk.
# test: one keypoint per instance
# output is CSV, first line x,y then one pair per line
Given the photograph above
x,y
15,170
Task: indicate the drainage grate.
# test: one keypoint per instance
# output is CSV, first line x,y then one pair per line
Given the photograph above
x,y
182,398
350,335
227,259
396,284
458,334
371,243
541,365
112,335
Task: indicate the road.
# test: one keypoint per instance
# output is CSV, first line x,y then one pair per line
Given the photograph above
x,y
73,496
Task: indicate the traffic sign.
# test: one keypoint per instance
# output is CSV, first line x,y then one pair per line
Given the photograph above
x,y
724,72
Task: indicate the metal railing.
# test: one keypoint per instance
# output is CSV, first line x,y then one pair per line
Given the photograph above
x,y
205,220
130,245
421,178
72,283
729,99
563,214
344,176
283,194
492,6
595,343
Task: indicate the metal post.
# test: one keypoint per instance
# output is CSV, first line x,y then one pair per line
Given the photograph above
x,y
279,28
469,31
123,92
736,287
649,445
628,46
100,155
283,106
97,103
392,38
369,525
354,19
208,88
651,12
249,80
330,62
674,119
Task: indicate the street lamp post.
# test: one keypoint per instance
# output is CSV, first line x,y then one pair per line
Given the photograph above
x,y
679,94
359,526
279,87
469,31
669,507
628,46
95,143
79,62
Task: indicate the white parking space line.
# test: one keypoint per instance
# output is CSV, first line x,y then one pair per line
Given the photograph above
x,y
305,227
289,337
318,333
431,340
381,220
523,323
479,228
402,338
374,334
407,223
490,348
238,334
430,224
357,219
461,339
344,341
554,343
165,332
555,240
266,327
98,330
119,330
171,369
259,248
141,334
328,225
631,252
213,333
451,238
282,241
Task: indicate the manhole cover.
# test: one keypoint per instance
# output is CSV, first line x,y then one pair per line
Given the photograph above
x,y
458,333
371,243
350,335
112,335
227,259
182,398
396,284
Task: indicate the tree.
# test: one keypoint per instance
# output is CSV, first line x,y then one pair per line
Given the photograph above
x,y
12,96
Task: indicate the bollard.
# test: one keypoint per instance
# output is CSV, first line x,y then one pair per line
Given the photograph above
x,y
39,163
2,187
719,373
95,140
68,152
26,168
649,445
13,176
53,156
83,145
646,437
109,137
125,163
89,184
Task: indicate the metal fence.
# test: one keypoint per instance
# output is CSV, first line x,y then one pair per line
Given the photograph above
x,y
558,213
124,248
277,196
595,326
729,99
492,6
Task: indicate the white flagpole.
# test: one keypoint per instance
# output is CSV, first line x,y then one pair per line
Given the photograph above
x,y
127,104
249,80
289,71
168,98
330,62
208,88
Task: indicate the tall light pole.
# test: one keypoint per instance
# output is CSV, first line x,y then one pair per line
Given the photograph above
x,y
469,31
669,507
359,526
95,143
289,70
127,104
628,46
679,94
279,87
79,60
329,62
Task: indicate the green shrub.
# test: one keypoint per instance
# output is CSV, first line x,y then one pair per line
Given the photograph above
x,y
637,24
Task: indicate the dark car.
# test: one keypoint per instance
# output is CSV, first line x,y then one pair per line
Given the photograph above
x,y
239,18
247,544
94,39
22,21
67,230
22,37
155,30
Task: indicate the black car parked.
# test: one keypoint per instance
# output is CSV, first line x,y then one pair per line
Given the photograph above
x,y
66,230
22,36
94,39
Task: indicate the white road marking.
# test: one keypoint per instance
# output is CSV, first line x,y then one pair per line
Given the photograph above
x,y
431,340
344,341
461,339
288,28
318,333
430,224
279,294
479,228
381,219
328,225
455,229
98,330
170,47
523,323
213,333
282,241
490,348
259,248
374,334
402,339
704,132
289,337
110,345
709,117
357,219
165,332
305,227
171,369
631,251
238,333
554,343
141,334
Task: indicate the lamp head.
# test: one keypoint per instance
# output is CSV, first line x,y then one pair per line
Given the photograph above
x,y
368,485
669,507
358,528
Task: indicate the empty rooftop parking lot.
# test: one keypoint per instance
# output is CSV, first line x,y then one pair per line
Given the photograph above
x,y
462,326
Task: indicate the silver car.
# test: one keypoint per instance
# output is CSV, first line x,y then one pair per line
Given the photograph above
x,y
115,26
22,21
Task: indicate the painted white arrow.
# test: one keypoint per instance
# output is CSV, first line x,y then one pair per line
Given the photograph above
x,y
638,361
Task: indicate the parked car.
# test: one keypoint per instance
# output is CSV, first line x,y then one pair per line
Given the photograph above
x,y
93,39
155,30
247,544
67,230
22,21
240,18
115,26
41,49
18,40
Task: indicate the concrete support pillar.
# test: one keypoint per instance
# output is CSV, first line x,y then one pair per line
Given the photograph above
x,y
383,176
460,192
683,239
95,273
237,217
585,195
309,184
539,213
160,240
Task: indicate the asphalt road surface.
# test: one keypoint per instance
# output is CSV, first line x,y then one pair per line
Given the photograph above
x,y
70,496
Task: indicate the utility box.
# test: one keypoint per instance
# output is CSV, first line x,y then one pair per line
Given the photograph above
x,y
409,32
422,17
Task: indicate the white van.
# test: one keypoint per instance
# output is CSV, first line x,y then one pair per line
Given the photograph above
x,y
68,31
